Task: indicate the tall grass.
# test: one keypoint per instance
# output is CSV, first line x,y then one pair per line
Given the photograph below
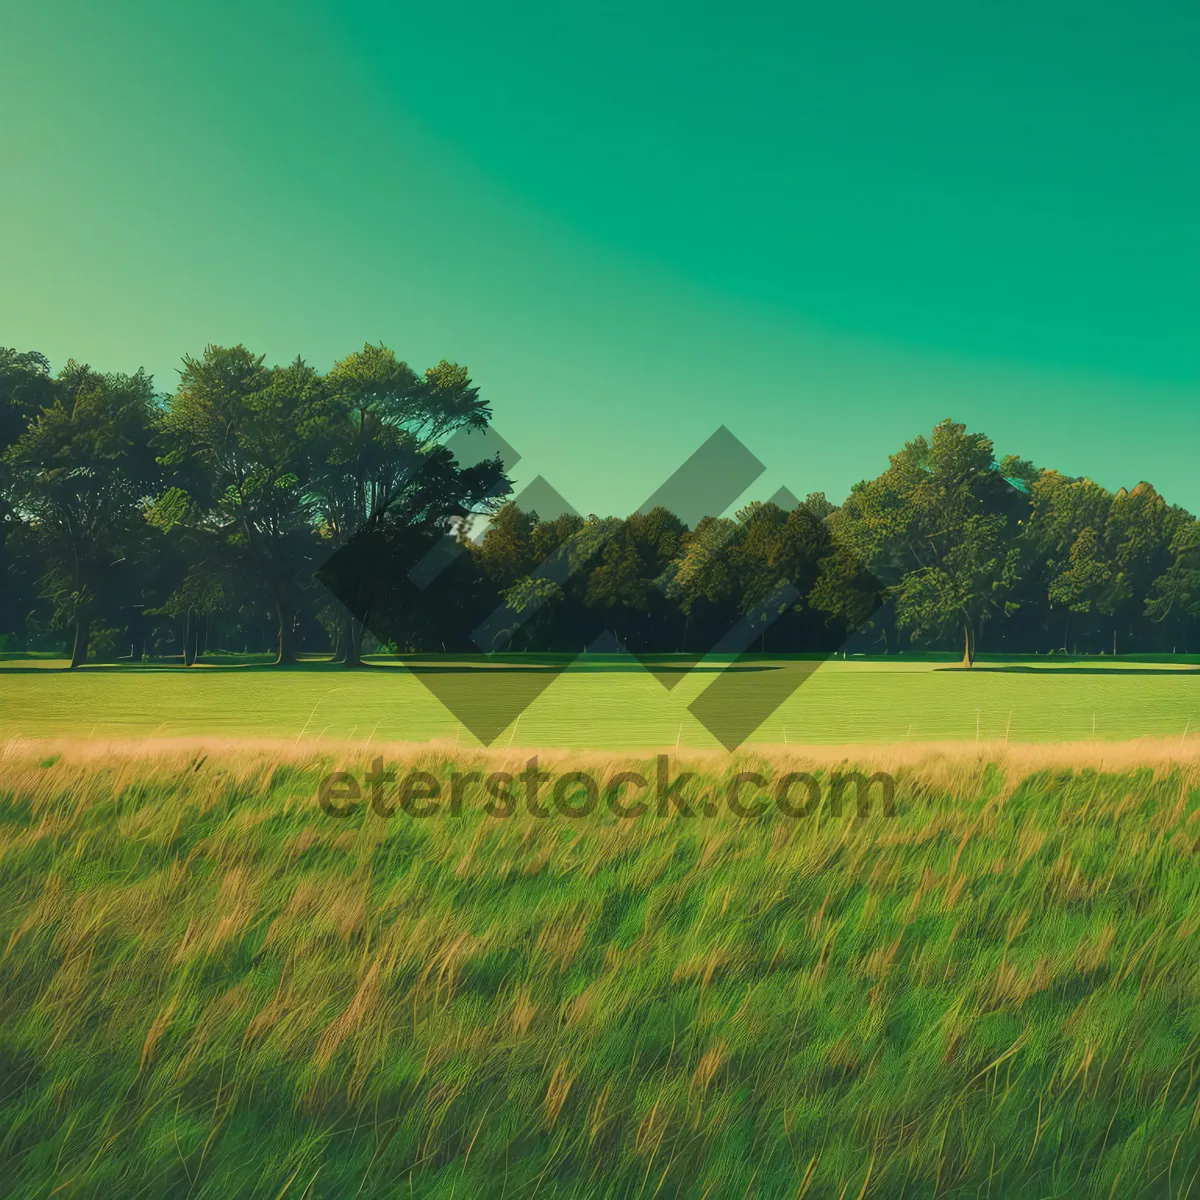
x,y
209,988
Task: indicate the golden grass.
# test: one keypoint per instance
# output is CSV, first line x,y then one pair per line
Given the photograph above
x,y
1020,757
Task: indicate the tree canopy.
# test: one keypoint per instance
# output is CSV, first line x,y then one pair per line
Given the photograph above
x,y
283,506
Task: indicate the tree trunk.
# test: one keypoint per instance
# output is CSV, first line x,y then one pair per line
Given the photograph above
x,y
189,637
350,637
285,646
135,630
968,659
80,648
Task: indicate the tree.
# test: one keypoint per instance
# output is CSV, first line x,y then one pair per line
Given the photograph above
x,y
546,613
82,475
506,551
203,573
221,507
938,527
627,586
703,581
776,546
378,435
1089,582
845,590
26,387
535,595
1175,594
1098,554
371,572
1140,533
1067,561
818,505
965,585
249,431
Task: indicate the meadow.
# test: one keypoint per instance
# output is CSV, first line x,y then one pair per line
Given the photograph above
x,y
613,703
210,988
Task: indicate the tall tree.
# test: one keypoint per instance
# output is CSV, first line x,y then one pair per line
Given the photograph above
x,y
380,431
250,431
1068,570
939,527
82,475
1175,594
26,387
1140,533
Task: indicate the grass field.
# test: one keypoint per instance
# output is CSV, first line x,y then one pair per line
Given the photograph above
x,y
615,703
210,988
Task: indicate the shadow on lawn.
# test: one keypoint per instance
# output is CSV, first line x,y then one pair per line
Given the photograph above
x,y
423,666
1029,670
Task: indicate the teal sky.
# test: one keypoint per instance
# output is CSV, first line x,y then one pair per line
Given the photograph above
x,y
827,227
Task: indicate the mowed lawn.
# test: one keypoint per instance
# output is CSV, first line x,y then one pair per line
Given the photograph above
x,y
612,703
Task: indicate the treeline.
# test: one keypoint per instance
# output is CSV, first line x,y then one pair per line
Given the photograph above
x,y
227,515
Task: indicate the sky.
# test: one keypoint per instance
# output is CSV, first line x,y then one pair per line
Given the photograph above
x,y
824,227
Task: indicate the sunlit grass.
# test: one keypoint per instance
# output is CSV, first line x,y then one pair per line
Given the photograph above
x,y
617,707
210,988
